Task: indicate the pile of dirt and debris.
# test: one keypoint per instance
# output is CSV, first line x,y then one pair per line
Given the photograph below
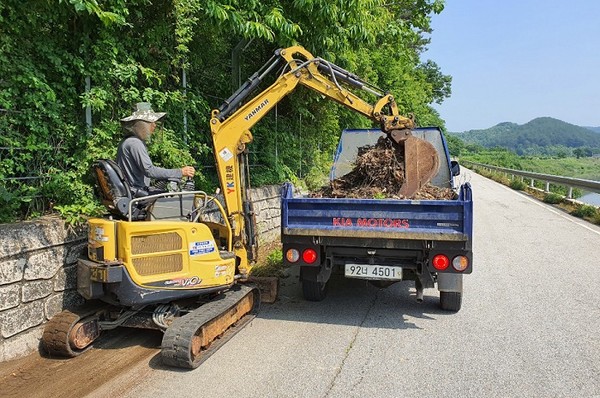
x,y
378,173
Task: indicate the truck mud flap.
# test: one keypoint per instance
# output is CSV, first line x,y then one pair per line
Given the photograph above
x,y
450,282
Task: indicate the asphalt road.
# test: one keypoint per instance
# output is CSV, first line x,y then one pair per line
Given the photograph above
x,y
529,326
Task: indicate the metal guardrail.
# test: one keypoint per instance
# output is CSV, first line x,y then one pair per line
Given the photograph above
x,y
569,182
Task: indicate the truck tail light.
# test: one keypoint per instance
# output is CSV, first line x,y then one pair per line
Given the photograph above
x,y
309,256
460,263
292,255
440,262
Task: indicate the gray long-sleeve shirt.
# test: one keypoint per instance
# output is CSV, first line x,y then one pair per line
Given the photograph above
x,y
133,159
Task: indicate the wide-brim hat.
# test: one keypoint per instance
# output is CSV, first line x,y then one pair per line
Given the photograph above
x,y
143,111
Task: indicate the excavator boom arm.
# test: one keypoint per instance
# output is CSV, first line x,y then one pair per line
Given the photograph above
x,y
232,121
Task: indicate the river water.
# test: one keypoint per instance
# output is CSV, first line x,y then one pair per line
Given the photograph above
x,y
590,198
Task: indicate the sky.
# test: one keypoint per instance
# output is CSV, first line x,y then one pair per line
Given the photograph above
x,y
513,61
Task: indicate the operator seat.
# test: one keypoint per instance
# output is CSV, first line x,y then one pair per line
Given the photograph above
x,y
115,192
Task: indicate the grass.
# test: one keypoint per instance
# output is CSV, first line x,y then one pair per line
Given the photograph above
x,y
587,212
553,198
587,168
518,185
270,261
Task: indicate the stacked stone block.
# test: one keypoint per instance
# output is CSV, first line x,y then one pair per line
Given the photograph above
x,y
37,279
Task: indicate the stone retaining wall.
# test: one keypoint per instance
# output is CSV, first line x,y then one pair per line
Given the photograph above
x,y
38,271
267,206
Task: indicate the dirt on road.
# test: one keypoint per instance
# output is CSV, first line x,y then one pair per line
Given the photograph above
x,y
120,358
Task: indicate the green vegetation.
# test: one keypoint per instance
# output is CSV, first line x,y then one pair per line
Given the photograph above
x,y
496,176
518,185
553,198
272,265
578,167
59,57
586,211
585,167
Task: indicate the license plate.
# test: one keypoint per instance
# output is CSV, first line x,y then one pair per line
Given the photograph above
x,y
376,272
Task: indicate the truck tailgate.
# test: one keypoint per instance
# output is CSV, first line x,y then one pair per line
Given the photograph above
x,y
446,220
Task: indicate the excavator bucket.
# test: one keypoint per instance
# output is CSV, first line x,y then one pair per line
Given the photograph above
x,y
421,161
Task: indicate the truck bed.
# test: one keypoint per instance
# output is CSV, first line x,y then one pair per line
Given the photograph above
x,y
438,220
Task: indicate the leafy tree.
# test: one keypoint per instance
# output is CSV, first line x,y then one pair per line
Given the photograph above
x,y
106,55
455,145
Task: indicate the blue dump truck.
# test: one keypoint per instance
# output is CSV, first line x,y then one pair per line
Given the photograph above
x,y
383,241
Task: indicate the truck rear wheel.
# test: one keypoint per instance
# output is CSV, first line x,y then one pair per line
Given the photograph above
x,y
451,301
312,289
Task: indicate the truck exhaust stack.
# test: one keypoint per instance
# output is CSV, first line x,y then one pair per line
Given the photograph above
x,y
419,288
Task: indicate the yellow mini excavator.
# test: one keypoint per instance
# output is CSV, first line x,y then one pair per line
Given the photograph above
x,y
177,261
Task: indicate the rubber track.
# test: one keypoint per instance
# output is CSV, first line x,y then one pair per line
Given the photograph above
x,y
56,332
177,340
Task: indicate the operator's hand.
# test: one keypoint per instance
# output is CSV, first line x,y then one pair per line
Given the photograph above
x,y
188,171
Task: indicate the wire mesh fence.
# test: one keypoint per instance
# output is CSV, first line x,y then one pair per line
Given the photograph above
x,y
22,179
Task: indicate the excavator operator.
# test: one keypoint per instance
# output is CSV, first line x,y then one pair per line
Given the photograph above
x,y
132,154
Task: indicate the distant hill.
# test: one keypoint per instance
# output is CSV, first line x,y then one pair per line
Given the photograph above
x,y
536,136
594,129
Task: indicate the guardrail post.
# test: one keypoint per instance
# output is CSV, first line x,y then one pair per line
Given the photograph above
x,y
547,186
570,195
531,183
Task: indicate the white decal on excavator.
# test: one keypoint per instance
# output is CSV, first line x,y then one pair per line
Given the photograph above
x,y
183,282
220,270
256,110
99,237
225,154
201,248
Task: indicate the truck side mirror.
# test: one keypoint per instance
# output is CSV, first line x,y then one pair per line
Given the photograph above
x,y
454,168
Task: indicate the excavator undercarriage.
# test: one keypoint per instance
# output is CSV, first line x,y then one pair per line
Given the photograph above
x,y
193,330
